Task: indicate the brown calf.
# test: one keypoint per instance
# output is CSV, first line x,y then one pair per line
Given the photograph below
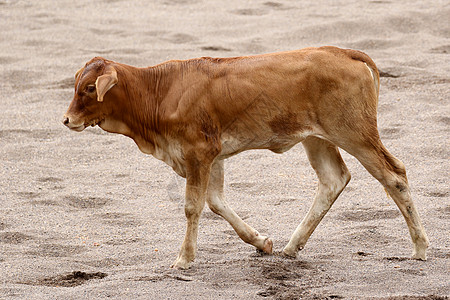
x,y
193,114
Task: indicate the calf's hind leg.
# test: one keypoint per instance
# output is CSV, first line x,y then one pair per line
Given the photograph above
x,y
219,206
391,173
333,177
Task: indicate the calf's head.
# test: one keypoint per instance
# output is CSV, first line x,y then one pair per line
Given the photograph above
x,y
89,106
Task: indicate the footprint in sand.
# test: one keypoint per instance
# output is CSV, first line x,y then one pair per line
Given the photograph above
x,y
86,202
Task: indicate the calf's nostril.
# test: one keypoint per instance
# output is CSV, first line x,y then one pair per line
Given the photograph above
x,y
66,121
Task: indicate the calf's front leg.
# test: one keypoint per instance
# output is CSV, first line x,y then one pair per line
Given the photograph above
x,y
218,205
197,176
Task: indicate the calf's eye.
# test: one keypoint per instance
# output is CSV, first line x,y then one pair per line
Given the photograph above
x,y
90,88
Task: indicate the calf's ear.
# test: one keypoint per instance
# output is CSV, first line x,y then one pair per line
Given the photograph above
x,y
105,82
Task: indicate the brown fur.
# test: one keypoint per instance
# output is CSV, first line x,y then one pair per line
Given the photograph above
x,y
192,114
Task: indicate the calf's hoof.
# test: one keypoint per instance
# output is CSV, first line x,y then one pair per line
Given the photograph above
x,y
288,255
419,255
290,252
268,246
181,264
420,250
266,249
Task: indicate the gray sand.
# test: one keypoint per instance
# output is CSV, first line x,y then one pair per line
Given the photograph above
x,y
87,216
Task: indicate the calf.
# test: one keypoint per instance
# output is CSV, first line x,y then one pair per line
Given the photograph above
x,y
192,114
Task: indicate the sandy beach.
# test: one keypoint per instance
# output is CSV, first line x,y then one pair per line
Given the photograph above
x,y
88,216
